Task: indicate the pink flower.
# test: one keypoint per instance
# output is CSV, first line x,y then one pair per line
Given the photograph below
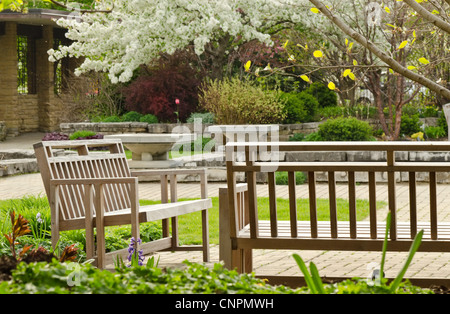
x,y
177,101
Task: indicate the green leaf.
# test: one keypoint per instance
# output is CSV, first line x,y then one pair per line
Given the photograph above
x,y
316,278
309,281
414,247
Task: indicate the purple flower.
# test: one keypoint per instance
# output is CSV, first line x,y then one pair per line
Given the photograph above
x,y
135,256
38,218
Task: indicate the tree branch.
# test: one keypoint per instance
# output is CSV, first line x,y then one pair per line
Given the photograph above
x,y
397,67
438,22
79,10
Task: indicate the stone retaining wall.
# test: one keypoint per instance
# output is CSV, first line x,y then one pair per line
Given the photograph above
x,y
285,130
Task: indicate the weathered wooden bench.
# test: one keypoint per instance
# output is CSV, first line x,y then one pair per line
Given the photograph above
x,y
241,231
88,189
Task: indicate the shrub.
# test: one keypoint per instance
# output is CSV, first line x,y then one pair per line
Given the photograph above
x,y
149,118
131,116
81,134
442,122
156,92
330,112
233,101
345,129
325,96
111,119
207,117
435,132
310,104
281,178
294,108
410,124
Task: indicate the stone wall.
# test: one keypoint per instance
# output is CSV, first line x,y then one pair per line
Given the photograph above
x,y
285,130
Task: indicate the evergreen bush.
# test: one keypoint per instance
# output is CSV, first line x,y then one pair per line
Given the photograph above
x,y
345,129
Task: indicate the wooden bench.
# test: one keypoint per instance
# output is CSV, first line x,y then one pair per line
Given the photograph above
x,y
241,231
88,189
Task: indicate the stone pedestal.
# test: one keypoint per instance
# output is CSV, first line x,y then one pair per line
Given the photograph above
x,y
152,150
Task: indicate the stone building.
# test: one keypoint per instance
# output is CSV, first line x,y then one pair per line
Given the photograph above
x,y
31,87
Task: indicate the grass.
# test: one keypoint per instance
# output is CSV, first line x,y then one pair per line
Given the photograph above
x,y
189,225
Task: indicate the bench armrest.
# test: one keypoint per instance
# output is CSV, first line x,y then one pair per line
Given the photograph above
x,y
170,174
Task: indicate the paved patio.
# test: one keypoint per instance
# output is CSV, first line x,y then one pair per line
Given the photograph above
x,y
269,262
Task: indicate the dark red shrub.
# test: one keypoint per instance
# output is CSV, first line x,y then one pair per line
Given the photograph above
x,y
157,91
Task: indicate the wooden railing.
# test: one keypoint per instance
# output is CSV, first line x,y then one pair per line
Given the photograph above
x,y
240,233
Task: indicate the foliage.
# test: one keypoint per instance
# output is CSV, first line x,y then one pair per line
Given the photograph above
x,y
19,229
235,101
410,124
149,118
54,277
442,122
81,134
169,90
295,111
281,178
345,129
144,32
325,96
112,119
131,116
55,136
435,132
206,117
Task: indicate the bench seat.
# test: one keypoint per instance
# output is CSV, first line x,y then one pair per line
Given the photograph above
x,y
343,242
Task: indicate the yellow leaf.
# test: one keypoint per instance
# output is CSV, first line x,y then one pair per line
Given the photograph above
x,y
318,54
346,72
411,67
331,86
355,63
414,33
350,46
315,10
304,77
247,66
387,10
351,76
391,71
424,61
346,41
403,44
285,44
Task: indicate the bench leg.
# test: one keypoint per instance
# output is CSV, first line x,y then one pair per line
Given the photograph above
x,y
205,231
242,260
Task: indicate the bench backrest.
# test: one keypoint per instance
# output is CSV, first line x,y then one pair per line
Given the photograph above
x,y
257,161
75,159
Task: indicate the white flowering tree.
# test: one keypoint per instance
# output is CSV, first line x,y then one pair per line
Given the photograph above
x,y
134,32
